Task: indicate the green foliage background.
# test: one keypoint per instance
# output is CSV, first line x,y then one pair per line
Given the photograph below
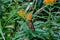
x,y
46,20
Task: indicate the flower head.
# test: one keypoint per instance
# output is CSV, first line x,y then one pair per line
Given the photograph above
x,y
28,16
21,12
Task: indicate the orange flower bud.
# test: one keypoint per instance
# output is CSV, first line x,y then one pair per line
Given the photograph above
x,y
28,16
21,12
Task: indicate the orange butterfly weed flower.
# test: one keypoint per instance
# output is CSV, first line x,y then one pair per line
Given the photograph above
x,y
21,12
49,1
28,16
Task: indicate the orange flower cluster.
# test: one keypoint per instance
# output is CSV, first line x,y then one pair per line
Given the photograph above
x,y
28,16
21,12
49,1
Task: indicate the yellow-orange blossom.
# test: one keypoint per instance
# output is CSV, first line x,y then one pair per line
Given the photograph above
x,y
21,12
49,1
28,16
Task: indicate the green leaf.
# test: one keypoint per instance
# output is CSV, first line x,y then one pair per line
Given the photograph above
x,y
1,31
12,13
19,0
